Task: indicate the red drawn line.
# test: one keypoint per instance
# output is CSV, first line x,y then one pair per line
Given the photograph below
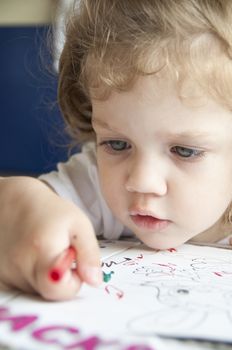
x,y
110,289
218,274
172,250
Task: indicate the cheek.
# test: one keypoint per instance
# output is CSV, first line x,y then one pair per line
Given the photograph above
x,y
110,183
112,195
204,200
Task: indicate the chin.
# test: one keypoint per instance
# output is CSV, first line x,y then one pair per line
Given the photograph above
x,y
161,243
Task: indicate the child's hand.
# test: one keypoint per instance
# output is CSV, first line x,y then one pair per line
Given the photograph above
x,y
36,226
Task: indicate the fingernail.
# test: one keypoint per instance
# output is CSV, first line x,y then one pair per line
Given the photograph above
x,y
94,275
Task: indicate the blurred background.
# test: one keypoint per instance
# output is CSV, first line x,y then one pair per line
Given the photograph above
x,y
32,140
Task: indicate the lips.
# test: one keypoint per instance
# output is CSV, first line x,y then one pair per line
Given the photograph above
x,y
147,221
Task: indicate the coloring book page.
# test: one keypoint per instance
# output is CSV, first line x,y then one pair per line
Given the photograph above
x,y
148,298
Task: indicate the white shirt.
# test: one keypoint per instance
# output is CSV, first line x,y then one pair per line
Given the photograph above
x,y
77,180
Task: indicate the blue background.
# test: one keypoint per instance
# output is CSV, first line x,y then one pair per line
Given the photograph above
x,y
31,128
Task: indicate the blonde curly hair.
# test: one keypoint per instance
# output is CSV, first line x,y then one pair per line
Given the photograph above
x,y
110,43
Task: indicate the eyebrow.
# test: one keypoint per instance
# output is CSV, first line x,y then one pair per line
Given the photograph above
x,y
101,123
185,135
98,121
192,134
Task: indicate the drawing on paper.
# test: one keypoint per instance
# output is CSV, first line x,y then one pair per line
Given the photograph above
x,y
185,296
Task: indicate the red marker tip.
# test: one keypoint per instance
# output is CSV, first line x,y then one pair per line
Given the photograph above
x,y
55,275
62,264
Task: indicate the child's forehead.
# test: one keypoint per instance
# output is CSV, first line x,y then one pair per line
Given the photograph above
x,y
157,86
154,98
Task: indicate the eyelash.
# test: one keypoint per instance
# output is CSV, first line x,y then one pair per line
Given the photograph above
x,y
109,146
190,153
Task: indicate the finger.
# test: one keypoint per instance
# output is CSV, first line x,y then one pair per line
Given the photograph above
x,y
64,288
88,254
51,255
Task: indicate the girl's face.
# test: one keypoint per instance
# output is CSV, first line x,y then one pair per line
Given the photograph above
x,y
165,165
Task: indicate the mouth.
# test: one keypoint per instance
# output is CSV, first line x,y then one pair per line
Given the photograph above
x,y
148,221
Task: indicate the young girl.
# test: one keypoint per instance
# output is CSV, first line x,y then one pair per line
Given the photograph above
x,y
149,85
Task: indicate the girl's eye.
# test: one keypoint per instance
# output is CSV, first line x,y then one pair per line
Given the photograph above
x,y
185,152
116,145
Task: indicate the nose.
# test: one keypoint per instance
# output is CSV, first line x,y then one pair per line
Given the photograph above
x,y
147,176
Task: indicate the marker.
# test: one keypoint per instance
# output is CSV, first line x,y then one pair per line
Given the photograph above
x,y
62,264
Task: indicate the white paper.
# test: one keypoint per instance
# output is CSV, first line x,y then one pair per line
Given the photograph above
x,y
184,293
